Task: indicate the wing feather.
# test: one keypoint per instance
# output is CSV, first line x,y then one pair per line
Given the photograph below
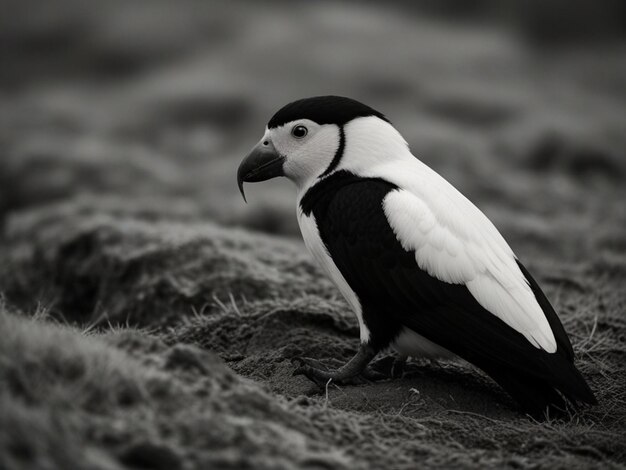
x,y
470,252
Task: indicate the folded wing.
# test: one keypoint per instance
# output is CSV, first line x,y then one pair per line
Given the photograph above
x,y
469,251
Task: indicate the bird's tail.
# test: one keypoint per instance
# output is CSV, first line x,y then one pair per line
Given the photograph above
x,y
539,397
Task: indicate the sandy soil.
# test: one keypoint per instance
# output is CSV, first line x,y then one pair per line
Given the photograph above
x,y
150,317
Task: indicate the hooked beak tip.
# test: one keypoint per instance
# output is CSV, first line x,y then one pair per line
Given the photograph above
x,y
243,194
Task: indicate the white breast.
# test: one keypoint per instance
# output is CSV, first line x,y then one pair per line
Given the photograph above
x,y
312,240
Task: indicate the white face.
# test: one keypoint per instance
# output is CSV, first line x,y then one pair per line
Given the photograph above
x,y
308,148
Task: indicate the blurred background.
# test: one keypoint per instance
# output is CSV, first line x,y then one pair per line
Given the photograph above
x,y
149,105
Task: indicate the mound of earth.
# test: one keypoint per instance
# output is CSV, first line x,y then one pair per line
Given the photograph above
x,y
181,357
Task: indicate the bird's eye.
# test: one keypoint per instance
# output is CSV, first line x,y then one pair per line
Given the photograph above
x,y
299,131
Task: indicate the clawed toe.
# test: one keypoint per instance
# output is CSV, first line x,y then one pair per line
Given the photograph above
x,y
308,368
354,371
371,375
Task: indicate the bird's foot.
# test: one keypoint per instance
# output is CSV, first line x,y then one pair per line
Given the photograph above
x,y
321,374
354,372
308,367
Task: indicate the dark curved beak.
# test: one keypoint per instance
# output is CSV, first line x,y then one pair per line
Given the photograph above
x,y
261,164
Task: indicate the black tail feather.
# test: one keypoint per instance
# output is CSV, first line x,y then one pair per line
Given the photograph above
x,y
576,389
540,398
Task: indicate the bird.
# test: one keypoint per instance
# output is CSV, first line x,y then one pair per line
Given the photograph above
x,y
425,272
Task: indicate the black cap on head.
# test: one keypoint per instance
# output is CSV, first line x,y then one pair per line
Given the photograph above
x,y
323,110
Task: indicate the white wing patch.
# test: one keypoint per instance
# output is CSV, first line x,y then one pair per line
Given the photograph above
x,y
456,243
315,245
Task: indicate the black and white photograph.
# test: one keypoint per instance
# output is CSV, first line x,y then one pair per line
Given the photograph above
x,y
276,235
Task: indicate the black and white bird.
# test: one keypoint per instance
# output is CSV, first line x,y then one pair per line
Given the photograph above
x,y
424,270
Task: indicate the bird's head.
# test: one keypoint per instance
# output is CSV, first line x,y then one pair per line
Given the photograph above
x,y
311,138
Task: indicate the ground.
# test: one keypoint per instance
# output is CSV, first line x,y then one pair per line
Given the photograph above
x,y
149,317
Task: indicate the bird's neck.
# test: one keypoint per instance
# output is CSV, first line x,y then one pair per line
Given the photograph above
x,y
370,143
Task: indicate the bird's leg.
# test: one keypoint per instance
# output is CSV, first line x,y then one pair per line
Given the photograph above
x,y
353,368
